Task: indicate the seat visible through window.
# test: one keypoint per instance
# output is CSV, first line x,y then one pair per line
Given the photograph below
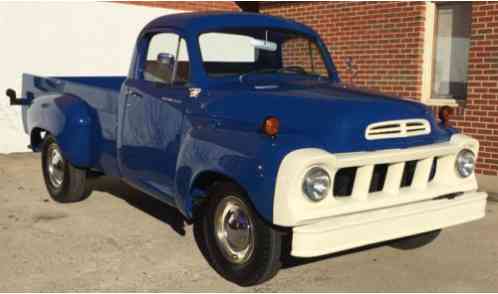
x,y
167,60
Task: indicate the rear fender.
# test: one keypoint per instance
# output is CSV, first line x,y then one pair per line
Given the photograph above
x,y
71,121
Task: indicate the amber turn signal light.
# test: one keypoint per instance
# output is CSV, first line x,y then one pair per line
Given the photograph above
x,y
444,116
271,126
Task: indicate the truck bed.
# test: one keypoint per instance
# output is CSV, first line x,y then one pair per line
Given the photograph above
x,y
100,93
36,86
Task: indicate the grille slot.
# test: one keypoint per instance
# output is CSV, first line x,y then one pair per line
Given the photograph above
x,y
378,178
344,181
382,127
408,173
397,129
433,169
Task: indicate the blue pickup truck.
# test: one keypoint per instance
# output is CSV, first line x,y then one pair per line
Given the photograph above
x,y
242,123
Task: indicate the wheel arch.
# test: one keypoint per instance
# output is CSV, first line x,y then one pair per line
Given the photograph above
x,y
37,137
71,121
245,158
199,189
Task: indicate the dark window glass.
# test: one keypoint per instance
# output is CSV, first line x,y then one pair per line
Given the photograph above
x,y
451,55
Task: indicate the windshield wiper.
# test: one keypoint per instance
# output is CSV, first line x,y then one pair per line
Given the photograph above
x,y
289,69
257,71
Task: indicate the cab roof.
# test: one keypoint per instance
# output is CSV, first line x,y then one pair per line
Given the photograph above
x,y
198,22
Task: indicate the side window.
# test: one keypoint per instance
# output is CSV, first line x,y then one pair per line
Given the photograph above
x,y
451,56
167,60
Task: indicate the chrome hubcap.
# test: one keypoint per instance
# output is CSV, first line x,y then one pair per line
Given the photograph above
x,y
234,230
55,166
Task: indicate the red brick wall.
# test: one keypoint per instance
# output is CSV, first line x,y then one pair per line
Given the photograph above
x,y
384,39
190,5
479,118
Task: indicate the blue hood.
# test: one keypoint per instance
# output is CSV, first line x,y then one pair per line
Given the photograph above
x,y
331,116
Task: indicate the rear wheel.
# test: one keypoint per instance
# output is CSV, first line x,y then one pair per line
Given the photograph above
x,y
65,183
240,246
417,241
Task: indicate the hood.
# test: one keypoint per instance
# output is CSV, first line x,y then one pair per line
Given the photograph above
x,y
333,116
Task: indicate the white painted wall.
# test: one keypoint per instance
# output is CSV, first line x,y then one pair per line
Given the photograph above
x,y
61,38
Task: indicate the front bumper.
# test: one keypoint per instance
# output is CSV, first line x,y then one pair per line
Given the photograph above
x,y
291,208
368,215
344,232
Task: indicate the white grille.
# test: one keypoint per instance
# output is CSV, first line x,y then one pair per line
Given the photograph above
x,y
397,129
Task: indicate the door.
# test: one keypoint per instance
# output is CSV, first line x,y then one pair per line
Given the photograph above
x,y
153,116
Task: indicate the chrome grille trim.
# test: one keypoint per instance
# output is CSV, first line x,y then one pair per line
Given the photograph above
x,y
397,129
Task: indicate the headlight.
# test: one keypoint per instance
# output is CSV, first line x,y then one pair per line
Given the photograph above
x,y
316,184
465,163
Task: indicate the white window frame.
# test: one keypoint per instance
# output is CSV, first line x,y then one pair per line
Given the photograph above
x,y
428,59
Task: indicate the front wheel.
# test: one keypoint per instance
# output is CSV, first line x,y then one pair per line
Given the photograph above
x,y
65,183
240,246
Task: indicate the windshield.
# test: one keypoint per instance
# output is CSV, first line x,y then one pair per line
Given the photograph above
x,y
259,51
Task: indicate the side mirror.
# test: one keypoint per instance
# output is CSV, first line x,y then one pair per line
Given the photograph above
x,y
166,58
352,69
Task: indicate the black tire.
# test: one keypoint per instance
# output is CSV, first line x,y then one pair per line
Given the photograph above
x,y
416,241
71,183
262,263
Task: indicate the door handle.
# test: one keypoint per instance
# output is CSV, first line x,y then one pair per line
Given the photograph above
x,y
134,94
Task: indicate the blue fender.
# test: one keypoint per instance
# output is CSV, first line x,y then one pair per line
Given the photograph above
x,y
250,159
71,121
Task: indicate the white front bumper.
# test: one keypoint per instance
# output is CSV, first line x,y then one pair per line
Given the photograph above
x,y
341,222
349,231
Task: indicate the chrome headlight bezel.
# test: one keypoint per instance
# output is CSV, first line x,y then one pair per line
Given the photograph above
x,y
316,183
465,163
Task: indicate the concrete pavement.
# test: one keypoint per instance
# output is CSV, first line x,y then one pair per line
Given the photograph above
x,y
120,239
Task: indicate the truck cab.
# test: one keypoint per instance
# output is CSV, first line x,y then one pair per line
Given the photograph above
x,y
242,123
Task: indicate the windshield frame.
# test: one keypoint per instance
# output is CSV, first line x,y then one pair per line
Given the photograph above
x,y
315,38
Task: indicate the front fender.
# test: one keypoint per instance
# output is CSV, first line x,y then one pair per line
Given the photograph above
x,y
251,159
71,121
